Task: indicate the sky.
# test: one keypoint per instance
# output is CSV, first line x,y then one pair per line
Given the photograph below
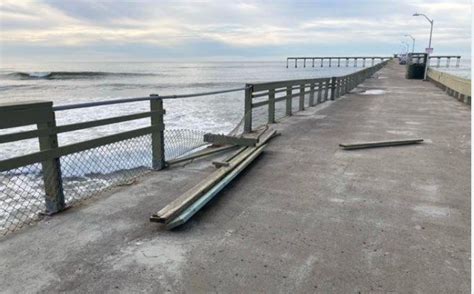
x,y
141,30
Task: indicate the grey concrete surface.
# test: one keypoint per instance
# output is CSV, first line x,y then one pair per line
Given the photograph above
x,y
306,217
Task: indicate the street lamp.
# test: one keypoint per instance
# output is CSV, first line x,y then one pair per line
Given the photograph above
x,y
431,23
429,44
407,46
413,39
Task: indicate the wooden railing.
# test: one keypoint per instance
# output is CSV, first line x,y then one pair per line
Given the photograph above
x,y
319,90
42,114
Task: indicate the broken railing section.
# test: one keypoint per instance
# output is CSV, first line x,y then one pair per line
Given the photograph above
x,y
185,206
319,90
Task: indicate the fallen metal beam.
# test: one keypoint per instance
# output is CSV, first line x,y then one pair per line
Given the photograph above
x,y
217,139
349,146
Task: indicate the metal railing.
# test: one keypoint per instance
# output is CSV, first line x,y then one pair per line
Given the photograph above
x,y
57,176
319,90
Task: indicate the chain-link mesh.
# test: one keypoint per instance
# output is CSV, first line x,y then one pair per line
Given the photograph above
x,y
85,174
21,197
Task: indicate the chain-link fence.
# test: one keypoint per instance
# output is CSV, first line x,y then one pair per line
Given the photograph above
x,y
85,174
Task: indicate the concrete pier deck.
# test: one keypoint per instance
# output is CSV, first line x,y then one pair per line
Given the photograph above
x,y
306,217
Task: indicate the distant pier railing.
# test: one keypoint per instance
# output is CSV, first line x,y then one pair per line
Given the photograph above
x,y
319,61
447,58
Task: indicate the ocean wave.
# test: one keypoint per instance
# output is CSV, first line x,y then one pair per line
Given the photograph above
x,y
69,75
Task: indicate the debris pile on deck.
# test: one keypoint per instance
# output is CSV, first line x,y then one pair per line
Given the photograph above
x,y
185,206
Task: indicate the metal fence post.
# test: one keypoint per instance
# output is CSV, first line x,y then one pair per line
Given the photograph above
x,y
333,87
51,169
288,100
248,109
302,90
271,106
157,135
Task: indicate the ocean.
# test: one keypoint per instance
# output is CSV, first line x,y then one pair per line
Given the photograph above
x,y
75,82
464,69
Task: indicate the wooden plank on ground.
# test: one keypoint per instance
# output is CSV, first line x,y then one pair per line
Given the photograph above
x,y
217,139
174,208
361,145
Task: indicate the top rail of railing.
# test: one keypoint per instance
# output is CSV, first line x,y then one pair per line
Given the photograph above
x,y
138,99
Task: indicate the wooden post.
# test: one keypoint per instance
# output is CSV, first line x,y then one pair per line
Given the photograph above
x,y
157,136
458,59
333,87
296,62
322,62
311,95
363,62
326,89
448,61
53,184
338,62
347,62
304,62
288,100
320,92
248,108
301,105
355,62
313,62
330,60
271,106
287,62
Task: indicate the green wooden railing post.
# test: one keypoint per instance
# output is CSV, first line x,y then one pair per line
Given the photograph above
x,y
248,109
157,135
311,95
289,98
333,87
301,104
320,92
271,106
326,88
51,169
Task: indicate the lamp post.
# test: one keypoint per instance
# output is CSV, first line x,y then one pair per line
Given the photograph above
x,y
407,46
413,45
429,43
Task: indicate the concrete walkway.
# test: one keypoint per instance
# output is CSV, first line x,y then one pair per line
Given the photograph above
x,y
307,217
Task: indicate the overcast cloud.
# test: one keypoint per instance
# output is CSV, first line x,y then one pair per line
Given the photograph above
x,y
145,29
